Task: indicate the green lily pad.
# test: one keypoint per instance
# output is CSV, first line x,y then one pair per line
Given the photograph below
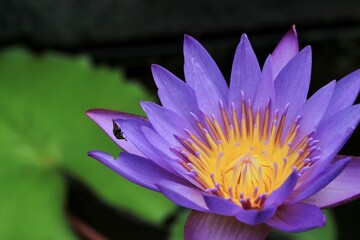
x,y
44,129
32,198
177,229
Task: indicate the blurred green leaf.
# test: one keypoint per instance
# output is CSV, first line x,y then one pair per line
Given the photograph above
x,y
27,213
44,129
177,229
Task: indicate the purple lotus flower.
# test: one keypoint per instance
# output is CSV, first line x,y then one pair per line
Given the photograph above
x,y
245,158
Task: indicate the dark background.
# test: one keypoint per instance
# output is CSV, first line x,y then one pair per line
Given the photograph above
x,y
132,34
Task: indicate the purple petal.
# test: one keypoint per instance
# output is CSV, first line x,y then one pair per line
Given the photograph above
x,y
258,216
282,193
134,131
313,110
329,131
344,188
220,205
136,169
320,181
175,94
104,118
201,225
265,89
245,73
297,218
292,83
332,134
166,122
255,216
345,94
158,144
182,195
203,75
287,48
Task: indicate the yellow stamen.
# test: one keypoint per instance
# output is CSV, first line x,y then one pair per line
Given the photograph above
x,y
244,160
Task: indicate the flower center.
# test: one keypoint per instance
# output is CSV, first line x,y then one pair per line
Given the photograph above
x,y
244,158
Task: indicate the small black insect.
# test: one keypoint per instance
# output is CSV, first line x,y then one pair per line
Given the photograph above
x,y
117,131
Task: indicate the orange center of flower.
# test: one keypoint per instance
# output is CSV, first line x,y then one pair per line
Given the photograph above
x,y
244,158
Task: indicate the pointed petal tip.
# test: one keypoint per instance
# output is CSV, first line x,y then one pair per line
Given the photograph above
x,y
293,30
144,104
148,106
244,41
291,37
159,72
100,155
291,34
189,39
99,111
91,113
156,70
155,66
244,37
307,49
88,113
285,50
99,115
191,44
306,53
90,153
